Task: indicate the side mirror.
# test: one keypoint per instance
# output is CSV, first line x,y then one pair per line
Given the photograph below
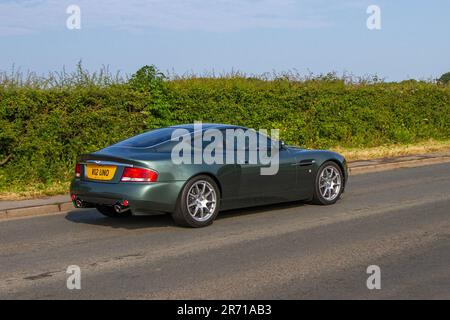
x,y
281,144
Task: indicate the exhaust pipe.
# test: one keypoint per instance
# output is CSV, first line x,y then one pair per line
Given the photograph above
x,y
78,203
119,208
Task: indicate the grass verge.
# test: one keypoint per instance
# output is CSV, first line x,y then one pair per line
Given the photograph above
x,y
393,150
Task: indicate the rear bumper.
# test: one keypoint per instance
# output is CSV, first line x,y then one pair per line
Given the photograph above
x,y
143,198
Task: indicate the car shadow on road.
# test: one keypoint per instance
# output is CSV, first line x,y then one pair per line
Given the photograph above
x,y
93,217
259,209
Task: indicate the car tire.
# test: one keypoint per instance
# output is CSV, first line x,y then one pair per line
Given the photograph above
x,y
109,212
328,177
199,193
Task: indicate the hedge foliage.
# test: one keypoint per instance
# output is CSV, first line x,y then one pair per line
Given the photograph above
x,y
42,130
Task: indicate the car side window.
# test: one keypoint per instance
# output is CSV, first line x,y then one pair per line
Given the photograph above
x,y
259,140
265,142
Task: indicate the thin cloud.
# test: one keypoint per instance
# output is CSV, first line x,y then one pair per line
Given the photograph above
x,y
28,16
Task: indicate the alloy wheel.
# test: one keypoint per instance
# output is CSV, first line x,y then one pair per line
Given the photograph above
x,y
330,182
201,200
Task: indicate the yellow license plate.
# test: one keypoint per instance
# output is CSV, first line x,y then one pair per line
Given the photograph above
x,y
97,172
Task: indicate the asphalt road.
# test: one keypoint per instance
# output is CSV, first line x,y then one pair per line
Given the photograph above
x,y
398,220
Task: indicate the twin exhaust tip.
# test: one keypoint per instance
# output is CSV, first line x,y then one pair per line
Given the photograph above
x,y
121,207
78,203
118,206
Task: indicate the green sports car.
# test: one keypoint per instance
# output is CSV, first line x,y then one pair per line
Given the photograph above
x,y
152,173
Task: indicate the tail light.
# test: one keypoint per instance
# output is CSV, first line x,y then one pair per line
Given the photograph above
x,y
138,175
77,170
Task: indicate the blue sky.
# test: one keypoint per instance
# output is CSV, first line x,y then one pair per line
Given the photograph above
x,y
253,36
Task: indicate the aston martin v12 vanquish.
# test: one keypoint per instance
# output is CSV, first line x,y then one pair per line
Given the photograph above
x,y
183,171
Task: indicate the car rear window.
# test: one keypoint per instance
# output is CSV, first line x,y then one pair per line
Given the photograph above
x,y
147,139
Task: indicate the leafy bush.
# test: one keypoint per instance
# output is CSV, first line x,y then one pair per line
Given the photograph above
x,y
445,78
44,129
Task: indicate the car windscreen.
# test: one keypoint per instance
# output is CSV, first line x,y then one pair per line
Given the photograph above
x,y
147,139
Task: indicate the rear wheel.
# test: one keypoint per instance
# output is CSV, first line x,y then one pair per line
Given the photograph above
x,y
329,184
109,211
198,203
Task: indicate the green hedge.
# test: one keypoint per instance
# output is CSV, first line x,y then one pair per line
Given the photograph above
x,y
44,129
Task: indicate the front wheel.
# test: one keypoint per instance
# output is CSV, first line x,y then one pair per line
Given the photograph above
x,y
198,203
329,184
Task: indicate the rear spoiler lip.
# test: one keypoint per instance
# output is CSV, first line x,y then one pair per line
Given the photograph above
x,y
109,160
